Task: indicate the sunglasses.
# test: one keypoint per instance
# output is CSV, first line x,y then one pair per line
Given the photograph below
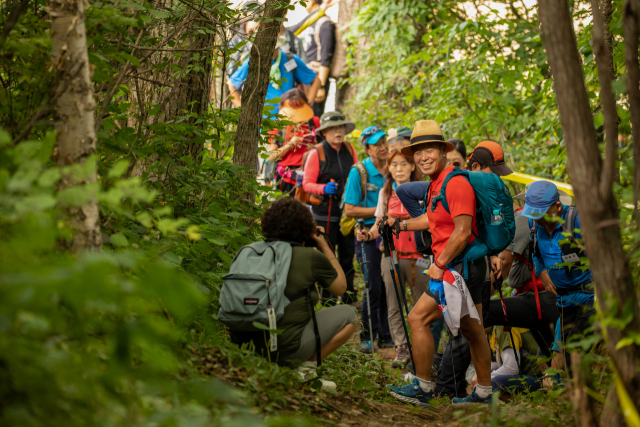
x,y
371,131
333,119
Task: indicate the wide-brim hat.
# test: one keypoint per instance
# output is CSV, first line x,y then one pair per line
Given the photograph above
x,y
333,119
490,153
565,198
424,132
296,115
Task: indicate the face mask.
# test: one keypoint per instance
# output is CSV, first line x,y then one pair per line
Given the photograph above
x,y
282,40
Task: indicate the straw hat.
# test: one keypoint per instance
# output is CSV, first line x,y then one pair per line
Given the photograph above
x,y
296,115
426,131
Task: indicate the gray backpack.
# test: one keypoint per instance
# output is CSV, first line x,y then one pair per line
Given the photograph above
x,y
253,291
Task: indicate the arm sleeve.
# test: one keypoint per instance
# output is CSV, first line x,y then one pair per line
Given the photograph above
x,y
323,272
353,189
238,78
521,239
509,364
410,195
380,208
460,197
327,43
302,73
311,171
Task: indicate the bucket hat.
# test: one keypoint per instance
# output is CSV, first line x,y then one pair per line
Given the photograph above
x,y
540,196
491,154
333,119
372,135
425,131
399,131
565,199
296,115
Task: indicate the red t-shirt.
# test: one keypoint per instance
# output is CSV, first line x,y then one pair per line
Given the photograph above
x,y
461,200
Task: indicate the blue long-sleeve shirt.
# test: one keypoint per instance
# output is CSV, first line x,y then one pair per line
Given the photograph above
x,y
551,258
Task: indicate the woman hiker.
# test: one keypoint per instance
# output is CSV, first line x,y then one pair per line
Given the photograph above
x,y
298,139
402,170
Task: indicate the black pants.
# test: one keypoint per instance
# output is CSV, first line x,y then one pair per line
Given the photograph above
x,y
318,107
345,248
523,313
377,294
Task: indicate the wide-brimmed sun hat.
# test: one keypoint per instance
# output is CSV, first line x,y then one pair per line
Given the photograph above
x,y
333,119
490,153
424,132
296,115
539,198
565,198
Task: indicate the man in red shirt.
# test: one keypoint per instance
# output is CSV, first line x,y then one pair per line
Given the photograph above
x,y
451,233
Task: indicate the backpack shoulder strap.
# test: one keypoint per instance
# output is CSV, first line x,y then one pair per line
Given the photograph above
x,y
364,180
572,213
442,196
321,156
316,35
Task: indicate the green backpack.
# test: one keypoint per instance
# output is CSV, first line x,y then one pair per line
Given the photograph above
x,y
253,291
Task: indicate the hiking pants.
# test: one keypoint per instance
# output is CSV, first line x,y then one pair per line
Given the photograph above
x,y
417,289
453,368
345,248
318,107
513,384
523,313
376,292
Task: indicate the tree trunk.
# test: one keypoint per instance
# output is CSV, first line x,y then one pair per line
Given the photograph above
x,y
611,414
347,10
583,403
598,210
74,109
245,152
631,21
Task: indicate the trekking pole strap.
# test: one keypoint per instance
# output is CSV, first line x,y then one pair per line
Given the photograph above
x,y
315,329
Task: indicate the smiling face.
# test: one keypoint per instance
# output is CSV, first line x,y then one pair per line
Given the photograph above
x,y
379,150
401,169
334,135
430,158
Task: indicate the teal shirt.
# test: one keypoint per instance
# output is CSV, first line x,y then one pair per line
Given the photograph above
x,y
353,190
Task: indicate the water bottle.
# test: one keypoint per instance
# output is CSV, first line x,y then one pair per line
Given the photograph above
x,y
496,218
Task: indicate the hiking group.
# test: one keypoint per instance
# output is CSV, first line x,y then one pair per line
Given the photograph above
x,y
416,213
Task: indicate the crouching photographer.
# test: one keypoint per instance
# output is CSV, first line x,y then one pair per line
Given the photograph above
x,y
294,245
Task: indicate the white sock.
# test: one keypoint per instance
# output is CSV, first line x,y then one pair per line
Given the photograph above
x,y
425,385
483,391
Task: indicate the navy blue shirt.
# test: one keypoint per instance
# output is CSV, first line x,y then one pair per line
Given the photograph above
x,y
550,260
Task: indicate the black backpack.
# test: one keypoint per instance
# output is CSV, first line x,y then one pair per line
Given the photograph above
x,y
571,251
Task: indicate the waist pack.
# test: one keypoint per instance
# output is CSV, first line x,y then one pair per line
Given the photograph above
x,y
495,219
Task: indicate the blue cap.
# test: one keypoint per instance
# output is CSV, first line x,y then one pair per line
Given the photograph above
x,y
372,135
541,195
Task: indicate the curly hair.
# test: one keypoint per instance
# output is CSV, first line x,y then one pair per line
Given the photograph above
x,y
289,220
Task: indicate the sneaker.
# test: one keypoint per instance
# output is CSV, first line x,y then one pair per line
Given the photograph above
x,y
385,343
472,398
366,346
309,371
411,393
402,357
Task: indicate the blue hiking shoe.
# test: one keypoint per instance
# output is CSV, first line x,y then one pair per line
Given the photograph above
x,y
385,343
472,398
411,393
366,346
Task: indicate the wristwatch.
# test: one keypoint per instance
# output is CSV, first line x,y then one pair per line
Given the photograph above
x,y
404,225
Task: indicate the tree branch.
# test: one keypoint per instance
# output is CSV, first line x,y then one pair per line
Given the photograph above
x,y
609,109
19,6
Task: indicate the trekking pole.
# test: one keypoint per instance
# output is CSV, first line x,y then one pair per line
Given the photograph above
x,y
392,247
387,253
330,203
498,285
360,225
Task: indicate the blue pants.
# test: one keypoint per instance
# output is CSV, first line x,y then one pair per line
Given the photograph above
x,y
513,384
378,294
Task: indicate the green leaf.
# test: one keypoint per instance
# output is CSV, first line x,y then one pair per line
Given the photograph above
x,y
266,328
119,239
119,168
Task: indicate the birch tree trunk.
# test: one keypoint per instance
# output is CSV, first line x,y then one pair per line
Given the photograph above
x,y
598,207
346,12
245,152
74,110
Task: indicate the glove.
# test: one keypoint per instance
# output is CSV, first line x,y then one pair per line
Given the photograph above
x,y
330,188
437,289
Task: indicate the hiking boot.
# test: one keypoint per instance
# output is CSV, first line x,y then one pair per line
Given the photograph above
x,y
472,398
382,343
411,393
309,371
402,356
366,346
